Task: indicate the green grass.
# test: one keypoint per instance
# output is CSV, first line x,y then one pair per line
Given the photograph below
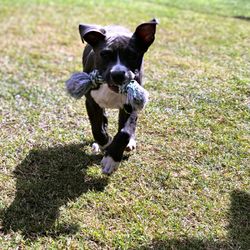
x,y
186,187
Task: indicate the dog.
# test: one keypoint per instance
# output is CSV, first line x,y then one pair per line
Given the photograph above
x,y
118,55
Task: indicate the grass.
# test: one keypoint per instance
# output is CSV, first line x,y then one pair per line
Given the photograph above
x,y
186,187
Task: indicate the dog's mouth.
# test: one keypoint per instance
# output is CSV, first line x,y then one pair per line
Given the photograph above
x,y
114,87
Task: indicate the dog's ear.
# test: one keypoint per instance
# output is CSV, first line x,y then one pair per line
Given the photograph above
x,y
91,34
145,34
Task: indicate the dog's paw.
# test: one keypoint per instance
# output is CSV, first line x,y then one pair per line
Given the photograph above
x,y
131,145
109,165
95,148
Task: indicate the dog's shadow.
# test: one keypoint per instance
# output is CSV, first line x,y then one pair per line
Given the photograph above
x,y
46,180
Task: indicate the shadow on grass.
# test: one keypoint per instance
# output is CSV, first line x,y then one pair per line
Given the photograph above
x,y
245,18
238,230
46,180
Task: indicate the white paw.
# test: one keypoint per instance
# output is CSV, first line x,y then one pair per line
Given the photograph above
x,y
95,148
131,145
109,165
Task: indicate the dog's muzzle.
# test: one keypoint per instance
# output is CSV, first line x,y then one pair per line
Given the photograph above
x,y
119,78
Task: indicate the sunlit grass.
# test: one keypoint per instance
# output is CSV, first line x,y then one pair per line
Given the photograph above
x,y
186,187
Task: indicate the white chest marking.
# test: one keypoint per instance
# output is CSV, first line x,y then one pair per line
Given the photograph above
x,y
106,98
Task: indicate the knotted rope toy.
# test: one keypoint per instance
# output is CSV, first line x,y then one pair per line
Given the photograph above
x,y
81,83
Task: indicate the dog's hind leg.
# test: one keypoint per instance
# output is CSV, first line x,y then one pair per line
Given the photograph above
x,y
114,152
99,125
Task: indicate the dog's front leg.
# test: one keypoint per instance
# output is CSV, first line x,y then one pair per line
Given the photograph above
x,y
99,124
114,152
123,117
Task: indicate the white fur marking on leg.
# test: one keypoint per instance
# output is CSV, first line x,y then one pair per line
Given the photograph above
x,y
95,148
109,165
131,145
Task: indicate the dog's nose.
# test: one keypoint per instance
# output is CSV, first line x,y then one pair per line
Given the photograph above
x,y
118,76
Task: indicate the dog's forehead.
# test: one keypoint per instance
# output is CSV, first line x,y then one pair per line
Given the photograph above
x,y
117,42
117,37
115,30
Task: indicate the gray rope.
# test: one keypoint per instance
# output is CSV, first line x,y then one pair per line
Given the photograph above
x,y
80,83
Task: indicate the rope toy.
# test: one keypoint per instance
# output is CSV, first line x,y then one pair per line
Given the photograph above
x,y
81,83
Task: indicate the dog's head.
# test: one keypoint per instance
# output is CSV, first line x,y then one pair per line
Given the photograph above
x,y
118,54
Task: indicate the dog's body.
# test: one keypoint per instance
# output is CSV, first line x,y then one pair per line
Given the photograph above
x,y
118,55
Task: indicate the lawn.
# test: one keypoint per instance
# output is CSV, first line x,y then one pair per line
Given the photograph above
x,y
188,184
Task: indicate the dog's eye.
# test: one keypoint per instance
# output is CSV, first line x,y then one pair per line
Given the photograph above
x,y
106,54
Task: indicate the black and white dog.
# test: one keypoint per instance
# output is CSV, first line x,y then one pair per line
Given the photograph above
x,y
118,55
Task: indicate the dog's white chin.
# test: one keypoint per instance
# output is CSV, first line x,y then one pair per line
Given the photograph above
x,y
106,98
114,88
